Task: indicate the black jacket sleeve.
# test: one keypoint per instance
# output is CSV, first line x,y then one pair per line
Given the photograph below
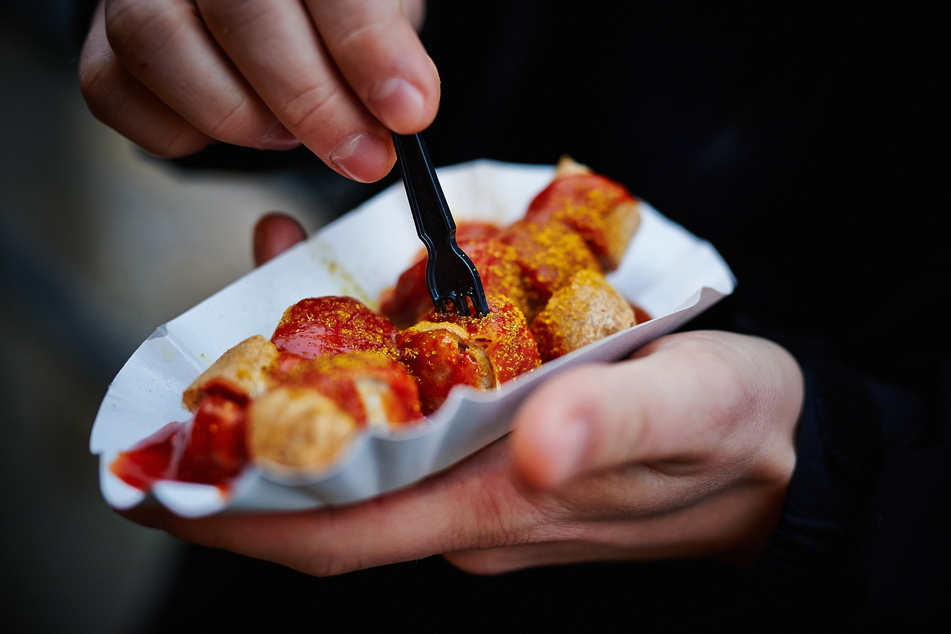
x,y
863,533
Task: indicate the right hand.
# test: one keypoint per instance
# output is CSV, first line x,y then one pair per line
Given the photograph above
x,y
335,75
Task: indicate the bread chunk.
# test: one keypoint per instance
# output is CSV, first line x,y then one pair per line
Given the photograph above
x,y
245,366
375,390
297,428
586,310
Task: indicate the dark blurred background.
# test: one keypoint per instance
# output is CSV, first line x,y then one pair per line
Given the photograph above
x,y
99,245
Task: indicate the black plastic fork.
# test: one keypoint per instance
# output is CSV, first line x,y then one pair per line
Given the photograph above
x,y
452,278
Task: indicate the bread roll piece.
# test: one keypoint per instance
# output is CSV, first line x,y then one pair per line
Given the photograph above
x,y
375,390
317,405
246,367
586,310
297,428
547,255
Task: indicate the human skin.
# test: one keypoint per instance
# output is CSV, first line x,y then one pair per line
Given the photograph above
x,y
337,76
684,450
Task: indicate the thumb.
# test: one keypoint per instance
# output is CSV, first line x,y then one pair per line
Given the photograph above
x,y
273,234
678,399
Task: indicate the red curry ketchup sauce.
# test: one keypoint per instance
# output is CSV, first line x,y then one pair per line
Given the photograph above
x,y
210,448
496,261
580,201
445,350
332,325
342,376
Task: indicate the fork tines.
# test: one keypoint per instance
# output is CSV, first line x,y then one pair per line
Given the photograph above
x,y
452,278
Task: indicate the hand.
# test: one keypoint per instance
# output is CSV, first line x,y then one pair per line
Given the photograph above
x,y
273,234
685,450
336,75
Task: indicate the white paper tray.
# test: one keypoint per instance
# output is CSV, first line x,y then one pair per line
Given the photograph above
x,y
669,272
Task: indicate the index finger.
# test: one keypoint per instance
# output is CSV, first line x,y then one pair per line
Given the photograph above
x,y
283,52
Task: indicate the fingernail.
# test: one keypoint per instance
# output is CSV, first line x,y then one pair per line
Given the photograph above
x,y
279,138
362,157
396,100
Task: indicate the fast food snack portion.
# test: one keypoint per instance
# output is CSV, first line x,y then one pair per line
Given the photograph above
x,y
497,262
289,403
581,220
443,351
318,326
601,210
244,366
333,367
317,405
585,310
374,389
548,255
209,448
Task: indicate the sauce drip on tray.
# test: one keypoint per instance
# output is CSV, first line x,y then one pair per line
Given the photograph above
x,y
210,448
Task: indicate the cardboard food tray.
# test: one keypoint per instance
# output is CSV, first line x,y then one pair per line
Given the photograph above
x,y
669,272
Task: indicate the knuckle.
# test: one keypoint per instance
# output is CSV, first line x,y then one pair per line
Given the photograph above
x,y
360,37
180,141
228,123
502,517
136,28
223,12
366,41
310,107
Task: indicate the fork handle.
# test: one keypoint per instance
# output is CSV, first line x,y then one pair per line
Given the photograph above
x,y
434,223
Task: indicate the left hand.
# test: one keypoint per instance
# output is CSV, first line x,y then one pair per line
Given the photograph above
x,y
685,450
